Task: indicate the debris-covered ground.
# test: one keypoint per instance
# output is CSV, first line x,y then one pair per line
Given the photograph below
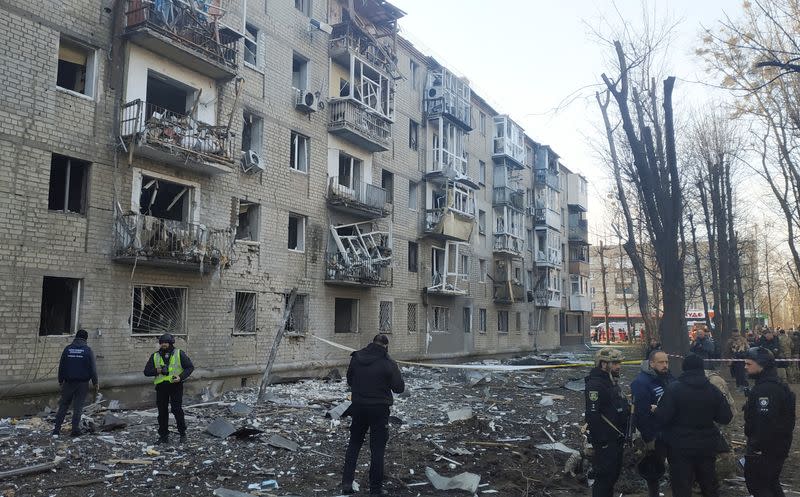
x,y
517,431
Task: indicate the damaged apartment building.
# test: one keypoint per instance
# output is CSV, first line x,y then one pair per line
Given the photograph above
x,y
181,165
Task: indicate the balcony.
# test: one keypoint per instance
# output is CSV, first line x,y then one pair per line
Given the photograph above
x,y
177,30
151,241
503,195
447,95
508,143
508,292
353,196
547,177
580,303
367,273
579,231
348,40
507,244
449,223
547,298
547,217
359,125
447,286
176,139
549,257
577,192
579,267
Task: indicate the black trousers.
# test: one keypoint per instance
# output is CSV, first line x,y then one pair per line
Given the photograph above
x,y
170,395
739,374
374,418
72,393
606,467
687,466
657,459
762,474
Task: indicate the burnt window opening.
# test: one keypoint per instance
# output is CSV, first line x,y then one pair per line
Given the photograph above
x,y
69,179
244,318
164,94
248,221
75,67
158,310
252,131
60,306
413,257
297,233
385,316
387,183
298,319
164,199
345,316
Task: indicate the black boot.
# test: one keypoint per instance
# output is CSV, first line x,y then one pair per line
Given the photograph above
x,y
163,439
652,489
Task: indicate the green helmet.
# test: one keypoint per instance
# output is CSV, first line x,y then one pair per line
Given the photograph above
x,y
608,355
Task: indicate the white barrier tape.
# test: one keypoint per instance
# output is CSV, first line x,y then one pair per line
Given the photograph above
x,y
732,360
479,367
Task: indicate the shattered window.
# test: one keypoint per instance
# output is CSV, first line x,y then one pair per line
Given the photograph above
x,y
387,183
75,67
464,269
412,318
385,317
345,318
244,320
158,310
468,320
297,321
251,44
413,135
303,6
502,321
164,199
482,222
481,172
69,179
248,221
60,306
298,153
297,233
482,320
518,326
252,131
413,254
482,275
441,319
412,195
299,72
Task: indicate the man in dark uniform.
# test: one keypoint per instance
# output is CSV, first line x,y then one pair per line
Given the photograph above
x,y
607,414
687,412
647,389
170,367
75,369
372,377
769,417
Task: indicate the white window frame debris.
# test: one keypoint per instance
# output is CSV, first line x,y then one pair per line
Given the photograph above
x,y
194,192
366,245
255,223
447,275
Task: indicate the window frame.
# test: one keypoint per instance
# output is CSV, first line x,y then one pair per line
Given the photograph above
x,y
482,320
256,131
305,8
250,30
75,306
304,71
440,313
413,135
413,194
257,239
295,138
502,318
85,182
184,308
382,327
236,330
90,71
302,299
301,233
415,267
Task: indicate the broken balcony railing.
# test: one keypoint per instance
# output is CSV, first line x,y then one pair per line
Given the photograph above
x,y
164,242
359,124
547,177
503,195
508,291
547,297
190,24
347,37
447,284
364,272
180,137
579,230
357,195
505,242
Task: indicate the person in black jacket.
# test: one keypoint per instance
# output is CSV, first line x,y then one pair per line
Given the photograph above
x,y
687,412
372,377
75,369
769,417
170,367
607,414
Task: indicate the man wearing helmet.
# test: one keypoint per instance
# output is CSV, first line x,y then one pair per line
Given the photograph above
x,y
607,413
769,416
170,367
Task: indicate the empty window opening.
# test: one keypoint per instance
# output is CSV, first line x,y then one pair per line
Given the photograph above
x,y
414,76
297,232
468,320
69,179
441,319
60,306
164,199
518,322
75,67
251,44
482,269
387,183
298,155
412,195
411,318
303,6
298,319
385,317
299,72
481,172
349,171
158,310
413,257
345,318
248,221
252,131
502,321
482,222
464,269
413,135
244,320
482,320
164,94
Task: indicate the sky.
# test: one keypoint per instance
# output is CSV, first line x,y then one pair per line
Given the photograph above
x,y
540,61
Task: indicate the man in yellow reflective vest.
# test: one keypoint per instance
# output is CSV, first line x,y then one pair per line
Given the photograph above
x,y
170,367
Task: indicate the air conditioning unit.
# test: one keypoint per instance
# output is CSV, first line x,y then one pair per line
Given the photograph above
x,y
251,162
307,101
435,92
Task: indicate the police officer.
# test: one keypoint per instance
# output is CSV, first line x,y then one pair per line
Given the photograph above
x,y
170,367
372,377
75,369
769,416
647,389
607,413
687,412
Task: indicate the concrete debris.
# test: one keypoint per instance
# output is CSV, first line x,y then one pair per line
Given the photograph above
x,y
264,485
240,409
551,417
221,428
462,481
112,422
475,378
557,446
226,492
339,410
283,443
333,375
546,401
576,385
459,414
35,468
246,432
212,391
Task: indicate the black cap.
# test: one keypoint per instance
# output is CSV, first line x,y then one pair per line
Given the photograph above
x,y
761,356
381,340
692,362
166,338
82,334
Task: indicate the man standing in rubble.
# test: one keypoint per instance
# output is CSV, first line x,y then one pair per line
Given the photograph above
x,y
170,367
75,369
647,389
769,417
372,377
607,414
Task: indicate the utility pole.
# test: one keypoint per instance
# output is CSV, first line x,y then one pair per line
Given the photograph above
x,y
603,273
629,331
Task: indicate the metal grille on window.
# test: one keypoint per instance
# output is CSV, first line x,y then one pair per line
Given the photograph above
x,y
158,310
412,318
385,316
296,323
245,312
